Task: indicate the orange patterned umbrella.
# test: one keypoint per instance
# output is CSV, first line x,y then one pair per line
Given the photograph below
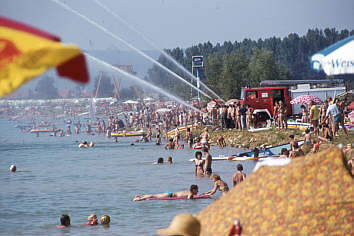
x,y
313,195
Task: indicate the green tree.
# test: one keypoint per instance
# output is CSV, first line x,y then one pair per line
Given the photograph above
x,y
262,67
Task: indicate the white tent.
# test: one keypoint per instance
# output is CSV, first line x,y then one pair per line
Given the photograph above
x,y
335,59
131,102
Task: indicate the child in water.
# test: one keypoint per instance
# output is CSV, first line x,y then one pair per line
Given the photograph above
x,y
105,220
92,220
218,184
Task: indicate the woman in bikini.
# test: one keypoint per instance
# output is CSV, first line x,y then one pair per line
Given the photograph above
x,y
218,185
204,136
199,163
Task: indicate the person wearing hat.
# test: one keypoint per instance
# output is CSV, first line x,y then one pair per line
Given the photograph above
x,y
183,224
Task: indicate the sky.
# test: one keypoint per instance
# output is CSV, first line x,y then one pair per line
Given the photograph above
x,y
180,23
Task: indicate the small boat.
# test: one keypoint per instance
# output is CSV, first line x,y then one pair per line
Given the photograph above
x,y
43,130
298,125
181,129
128,133
267,152
218,158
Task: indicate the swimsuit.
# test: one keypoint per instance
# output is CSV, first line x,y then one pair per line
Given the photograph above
x,y
224,188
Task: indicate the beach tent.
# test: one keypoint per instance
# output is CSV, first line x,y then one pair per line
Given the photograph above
x,y
313,195
131,102
27,52
336,59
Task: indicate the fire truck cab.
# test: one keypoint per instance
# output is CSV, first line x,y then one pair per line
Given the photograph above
x,y
265,98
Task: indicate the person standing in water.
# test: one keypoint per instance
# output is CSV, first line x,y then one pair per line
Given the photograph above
x,y
199,163
189,137
239,176
204,136
208,159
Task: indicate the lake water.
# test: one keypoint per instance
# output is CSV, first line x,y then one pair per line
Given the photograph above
x,y
56,177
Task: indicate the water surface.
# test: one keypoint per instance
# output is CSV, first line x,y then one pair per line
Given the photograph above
x,y
56,177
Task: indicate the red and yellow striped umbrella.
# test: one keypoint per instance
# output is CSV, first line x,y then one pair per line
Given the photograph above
x,y
26,52
313,195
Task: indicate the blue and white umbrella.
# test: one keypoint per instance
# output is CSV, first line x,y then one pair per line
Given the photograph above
x,y
336,59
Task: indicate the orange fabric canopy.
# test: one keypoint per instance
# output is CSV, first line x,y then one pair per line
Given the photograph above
x,y
313,195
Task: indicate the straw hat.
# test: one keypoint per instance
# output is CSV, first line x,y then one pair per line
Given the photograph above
x,y
183,224
105,219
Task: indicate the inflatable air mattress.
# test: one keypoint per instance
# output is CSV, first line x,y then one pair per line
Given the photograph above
x,y
176,198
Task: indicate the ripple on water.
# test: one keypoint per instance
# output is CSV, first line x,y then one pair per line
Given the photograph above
x,y
59,178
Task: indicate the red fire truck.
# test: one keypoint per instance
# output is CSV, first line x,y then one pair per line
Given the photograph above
x,y
264,98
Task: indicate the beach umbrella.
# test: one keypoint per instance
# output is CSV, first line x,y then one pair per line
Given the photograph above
x,y
336,59
313,195
305,99
27,52
231,101
351,116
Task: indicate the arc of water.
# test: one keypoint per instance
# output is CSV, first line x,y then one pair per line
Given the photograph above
x,y
102,28
136,78
104,7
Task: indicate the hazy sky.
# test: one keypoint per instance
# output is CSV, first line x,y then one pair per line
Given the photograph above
x,y
183,23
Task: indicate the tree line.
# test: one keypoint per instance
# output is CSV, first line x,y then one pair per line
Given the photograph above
x,y
233,65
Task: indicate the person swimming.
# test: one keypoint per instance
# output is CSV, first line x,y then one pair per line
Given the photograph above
x,y
84,144
64,221
13,168
105,219
193,190
169,160
92,220
159,161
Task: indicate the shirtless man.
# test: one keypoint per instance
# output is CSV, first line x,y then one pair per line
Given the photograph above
x,y
239,176
221,142
170,145
208,159
193,190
